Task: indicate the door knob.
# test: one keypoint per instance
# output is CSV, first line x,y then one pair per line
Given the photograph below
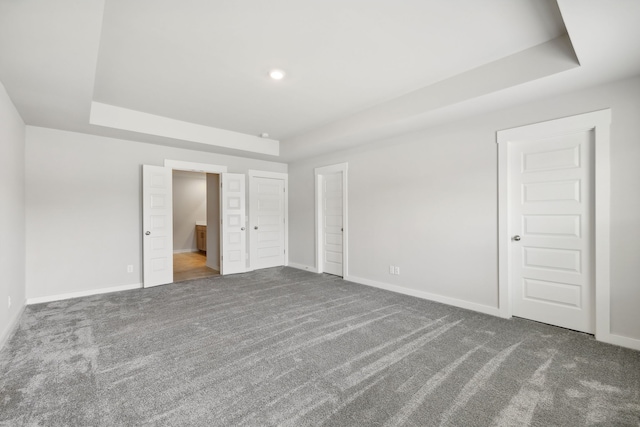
x,y
516,238
147,233
242,229
255,228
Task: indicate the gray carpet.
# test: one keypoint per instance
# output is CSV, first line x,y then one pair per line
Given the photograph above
x,y
291,348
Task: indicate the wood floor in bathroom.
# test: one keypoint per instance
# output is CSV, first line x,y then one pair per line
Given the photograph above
x,y
191,265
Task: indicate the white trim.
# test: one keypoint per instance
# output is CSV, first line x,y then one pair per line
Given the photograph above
x,y
318,172
273,175
194,167
267,174
305,267
60,297
493,311
620,340
599,122
181,165
12,327
504,254
137,121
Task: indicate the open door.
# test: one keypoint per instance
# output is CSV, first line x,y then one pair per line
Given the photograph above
x,y
234,238
157,225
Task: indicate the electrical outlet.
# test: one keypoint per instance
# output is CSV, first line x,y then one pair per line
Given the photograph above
x,y
129,268
397,271
391,270
9,302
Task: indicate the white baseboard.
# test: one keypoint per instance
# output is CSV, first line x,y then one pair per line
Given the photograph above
x,y
620,340
302,267
11,328
184,251
493,311
70,295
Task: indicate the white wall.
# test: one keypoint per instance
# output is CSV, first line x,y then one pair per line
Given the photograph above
x,y
427,202
12,215
84,207
189,206
213,221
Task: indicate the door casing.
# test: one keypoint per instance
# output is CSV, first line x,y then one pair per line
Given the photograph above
x,y
598,122
189,167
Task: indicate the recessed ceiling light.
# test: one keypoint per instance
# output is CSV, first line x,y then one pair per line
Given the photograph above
x,y
264,135
276,74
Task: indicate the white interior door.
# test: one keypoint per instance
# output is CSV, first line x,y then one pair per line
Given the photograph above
x,y
332,223
157,225
267,222
551,223
232,216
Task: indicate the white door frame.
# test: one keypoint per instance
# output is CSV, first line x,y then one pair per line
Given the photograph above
x,y
194,167
205,168
189,167
598,122
274,175
319,172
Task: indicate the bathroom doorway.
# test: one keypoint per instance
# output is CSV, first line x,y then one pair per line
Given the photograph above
x,y
196,219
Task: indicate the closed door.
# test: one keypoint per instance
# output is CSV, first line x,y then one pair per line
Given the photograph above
x,y
551,223
232,216
332,223
267,222
157,225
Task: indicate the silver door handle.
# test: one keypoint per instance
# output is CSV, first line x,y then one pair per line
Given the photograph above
x,y
516,238
147,233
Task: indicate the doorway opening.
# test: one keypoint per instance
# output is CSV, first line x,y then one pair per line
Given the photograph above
x,y
229,253
196,219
